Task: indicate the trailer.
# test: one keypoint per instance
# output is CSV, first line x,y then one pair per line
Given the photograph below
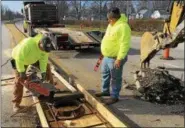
x,y
64,38
40,17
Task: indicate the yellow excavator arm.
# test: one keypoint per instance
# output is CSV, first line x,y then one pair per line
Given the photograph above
x,y
172,35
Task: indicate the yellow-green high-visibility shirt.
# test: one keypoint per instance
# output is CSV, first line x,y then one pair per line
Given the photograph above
x,y
116,42
25,24
28,52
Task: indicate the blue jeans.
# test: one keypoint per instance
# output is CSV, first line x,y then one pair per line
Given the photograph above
x,y
112,76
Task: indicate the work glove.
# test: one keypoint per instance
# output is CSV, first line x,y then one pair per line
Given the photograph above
x,y
117,64
43,76
22,77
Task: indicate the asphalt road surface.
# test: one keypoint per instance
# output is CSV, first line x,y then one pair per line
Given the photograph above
x,y
26,119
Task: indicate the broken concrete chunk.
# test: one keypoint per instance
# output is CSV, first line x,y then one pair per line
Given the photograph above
x,y
137,84
140,73
135,76
143,74
158,86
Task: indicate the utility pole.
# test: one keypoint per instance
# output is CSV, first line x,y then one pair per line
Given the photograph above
x,y
80,10
58,10
129,10
100,9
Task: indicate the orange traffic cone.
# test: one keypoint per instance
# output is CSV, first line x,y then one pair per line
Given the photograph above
x,y
166,55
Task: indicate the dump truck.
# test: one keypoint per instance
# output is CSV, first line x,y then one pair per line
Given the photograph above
x,y
40,17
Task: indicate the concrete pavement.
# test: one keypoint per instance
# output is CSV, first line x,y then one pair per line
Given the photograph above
x,y
26,119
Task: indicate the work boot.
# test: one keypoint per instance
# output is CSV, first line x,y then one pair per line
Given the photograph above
x,y
99,94
16,108
111,101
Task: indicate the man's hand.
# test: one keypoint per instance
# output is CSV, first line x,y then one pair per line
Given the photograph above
x,y
22,77
43,76
117,64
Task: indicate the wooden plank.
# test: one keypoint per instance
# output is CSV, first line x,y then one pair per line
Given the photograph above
x,y
111,118
41,114
70,87
100,126
48,115
84,121
87,110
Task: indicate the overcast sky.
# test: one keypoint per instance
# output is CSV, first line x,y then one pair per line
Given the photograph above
x,y
13,5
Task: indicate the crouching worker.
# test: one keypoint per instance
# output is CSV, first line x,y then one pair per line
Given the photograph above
x,y
30,51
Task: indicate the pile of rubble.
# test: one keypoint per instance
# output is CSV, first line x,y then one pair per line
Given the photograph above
x,y
158,86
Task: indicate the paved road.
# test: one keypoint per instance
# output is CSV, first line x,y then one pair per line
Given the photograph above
x,y
145,114
6,52
23,119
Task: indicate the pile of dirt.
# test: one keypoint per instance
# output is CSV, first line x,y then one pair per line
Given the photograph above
x,y
158,86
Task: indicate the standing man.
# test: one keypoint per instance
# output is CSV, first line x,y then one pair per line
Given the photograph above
x,y
114,47
32,50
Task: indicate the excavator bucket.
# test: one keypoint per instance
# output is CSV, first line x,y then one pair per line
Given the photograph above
x,y
171,36
151,43
147,48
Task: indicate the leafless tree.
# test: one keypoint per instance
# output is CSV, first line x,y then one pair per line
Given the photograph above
x,y
77,7
7,14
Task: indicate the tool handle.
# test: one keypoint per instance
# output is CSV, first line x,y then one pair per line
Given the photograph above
x,y
98,63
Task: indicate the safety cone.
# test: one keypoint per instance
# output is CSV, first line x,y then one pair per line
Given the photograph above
x,y
166,55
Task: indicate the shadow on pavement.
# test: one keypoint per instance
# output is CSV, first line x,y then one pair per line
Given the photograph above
x,y
95,52
92,53
176,69
134,51
131,106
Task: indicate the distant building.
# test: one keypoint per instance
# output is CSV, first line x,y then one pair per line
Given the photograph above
x,y
155,15
143,14
92,18
162,14
64,18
